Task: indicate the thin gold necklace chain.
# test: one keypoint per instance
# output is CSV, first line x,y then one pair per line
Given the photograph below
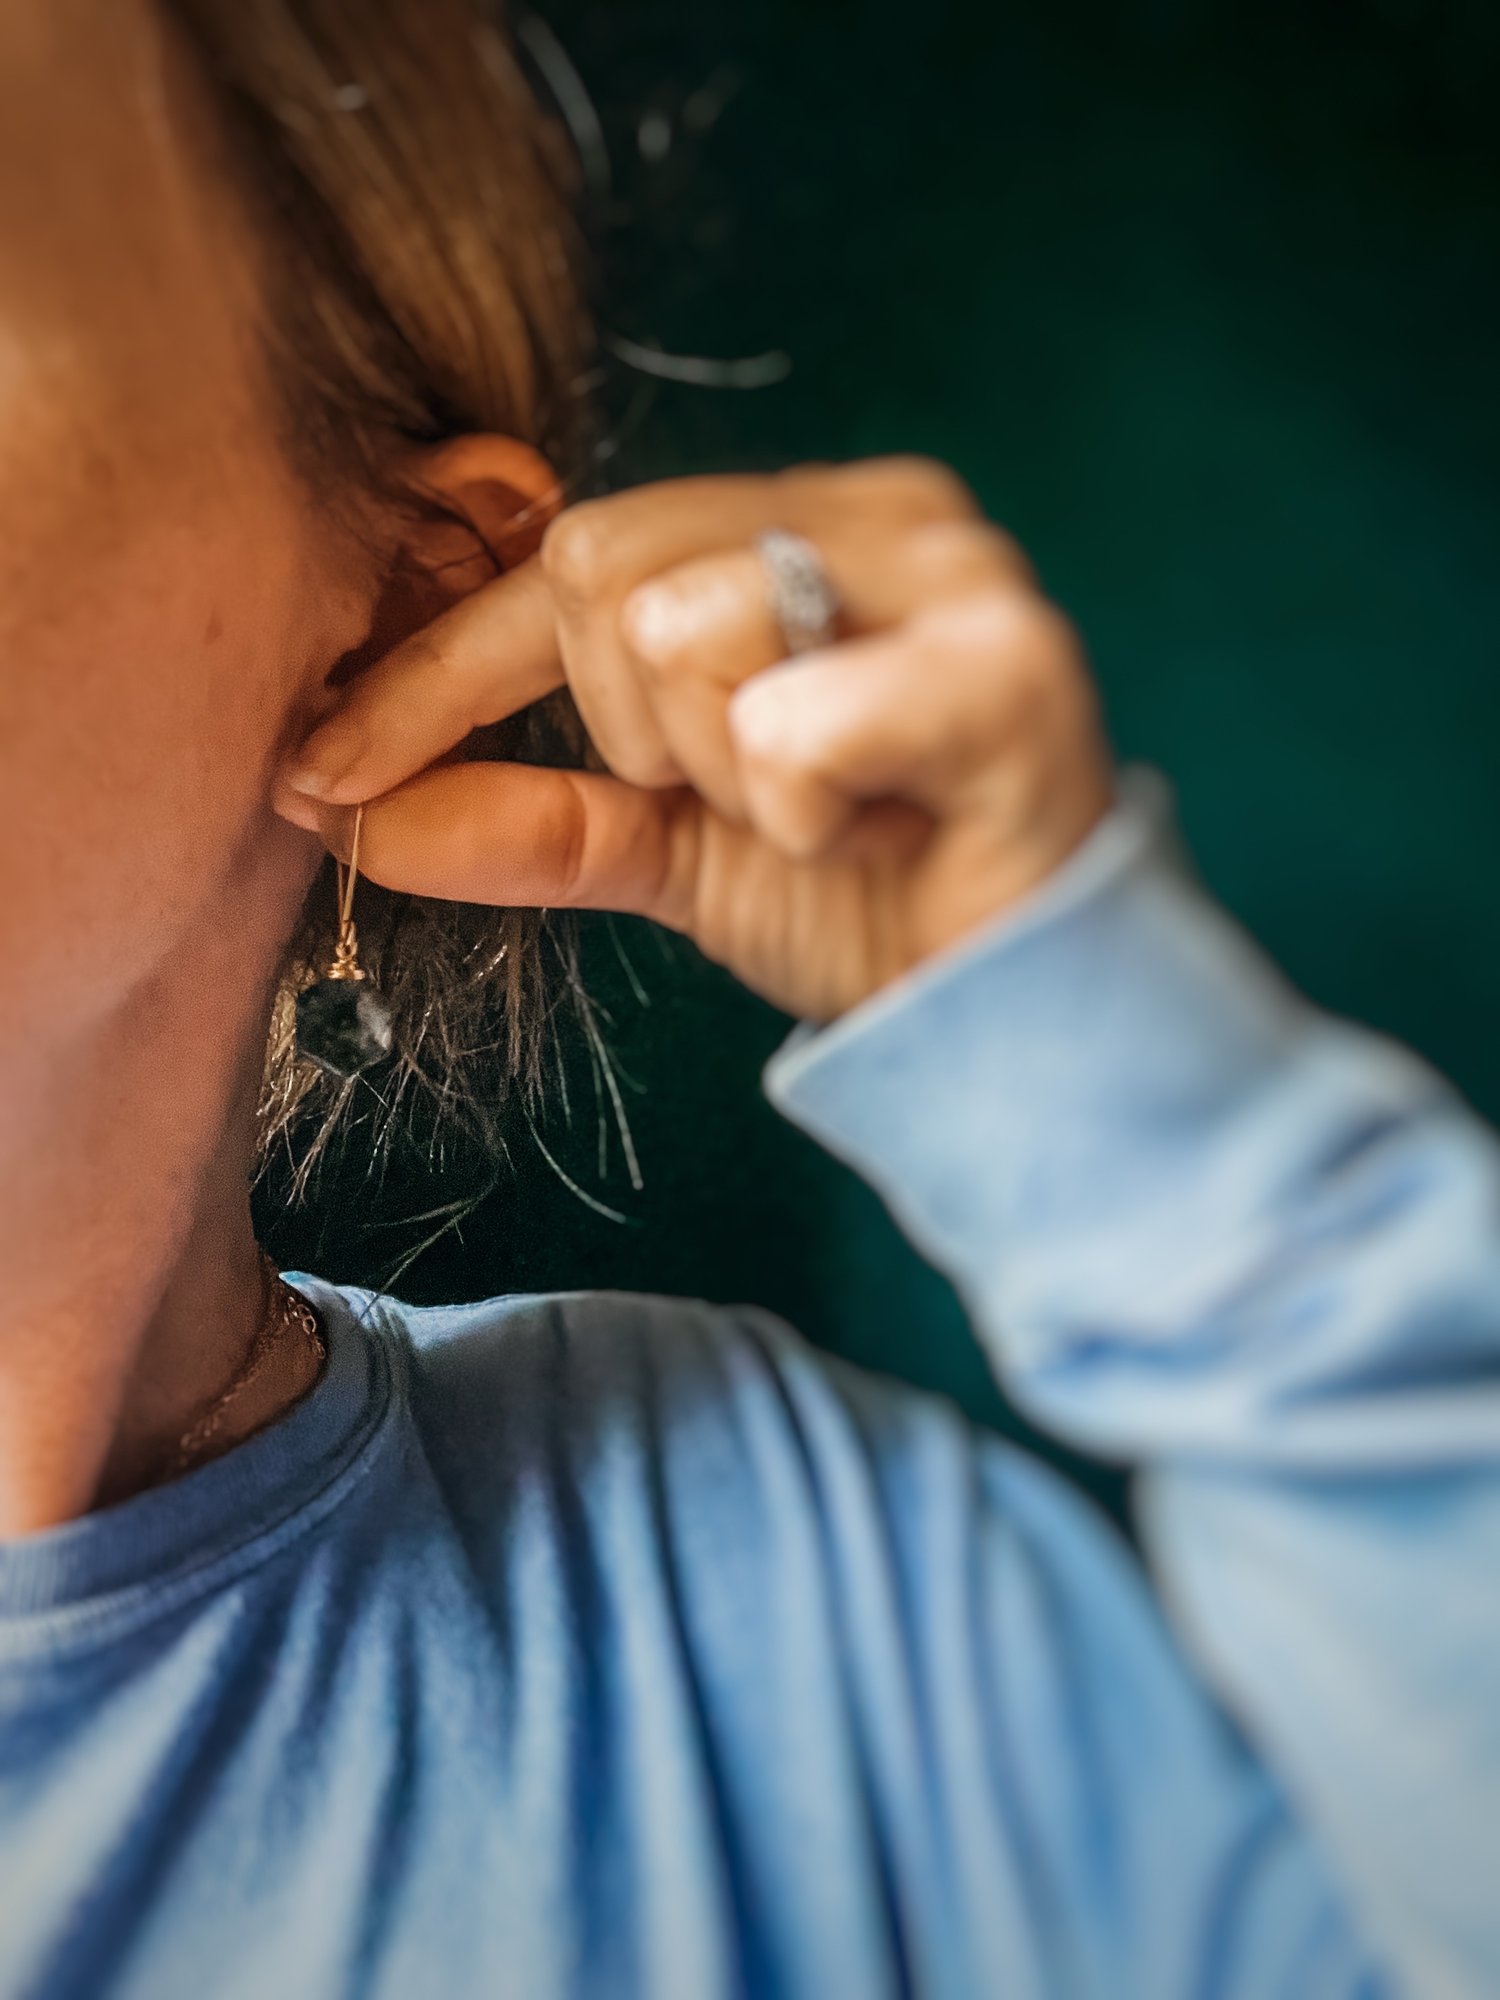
x,y
288,1309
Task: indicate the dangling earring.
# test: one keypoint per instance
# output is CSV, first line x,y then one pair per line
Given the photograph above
x,y
343,1022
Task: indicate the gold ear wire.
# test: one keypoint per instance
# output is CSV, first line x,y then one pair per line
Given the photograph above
x,y
343,1022
346,963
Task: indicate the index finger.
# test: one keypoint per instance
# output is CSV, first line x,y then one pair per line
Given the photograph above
x,y
486,657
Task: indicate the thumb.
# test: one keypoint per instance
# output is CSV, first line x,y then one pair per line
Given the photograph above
x,y
521,835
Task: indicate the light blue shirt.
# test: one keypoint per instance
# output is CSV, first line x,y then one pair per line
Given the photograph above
x,y
610,1646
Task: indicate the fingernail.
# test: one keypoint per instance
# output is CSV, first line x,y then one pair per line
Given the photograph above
x,y
316,784
332,762
297,809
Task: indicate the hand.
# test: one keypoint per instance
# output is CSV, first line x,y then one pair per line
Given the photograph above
x,y
818,826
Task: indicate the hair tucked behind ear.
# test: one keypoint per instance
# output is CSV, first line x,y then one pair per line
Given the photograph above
x,y
422,285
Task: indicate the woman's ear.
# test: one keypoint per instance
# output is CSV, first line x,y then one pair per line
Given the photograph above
x,y
477,505
481,499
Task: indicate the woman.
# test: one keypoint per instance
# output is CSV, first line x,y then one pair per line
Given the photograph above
x,y
605,1645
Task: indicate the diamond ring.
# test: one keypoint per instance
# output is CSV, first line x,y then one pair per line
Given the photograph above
x,y
802,598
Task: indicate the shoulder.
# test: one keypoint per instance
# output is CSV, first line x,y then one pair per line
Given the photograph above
x,y
671,1376
639,1466
570,1363
622,1421
566,1365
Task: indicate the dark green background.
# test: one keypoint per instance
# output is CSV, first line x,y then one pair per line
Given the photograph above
x,y
1202,300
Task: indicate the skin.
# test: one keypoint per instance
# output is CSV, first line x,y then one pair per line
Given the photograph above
x,y
169,607
819,826
172,602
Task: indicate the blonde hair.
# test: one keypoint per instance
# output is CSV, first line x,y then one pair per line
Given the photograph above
x,y
424,283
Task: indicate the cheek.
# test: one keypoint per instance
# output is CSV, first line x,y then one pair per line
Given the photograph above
x,y
164,588
146,683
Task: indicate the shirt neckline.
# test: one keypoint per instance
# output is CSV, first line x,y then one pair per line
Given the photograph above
x,y
146,1554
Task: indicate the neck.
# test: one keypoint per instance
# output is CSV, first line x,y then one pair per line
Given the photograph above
x,y
132,1282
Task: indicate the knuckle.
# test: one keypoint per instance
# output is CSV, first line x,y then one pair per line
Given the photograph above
x,y
776,769
808,479
654,632
571,840
907,486
1043,667
425,664
1050,640
959,552
1020,647
1006,556
1018,622
982,622
923,483
574,553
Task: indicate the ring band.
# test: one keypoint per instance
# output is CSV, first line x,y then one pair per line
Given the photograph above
x,y
802,598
